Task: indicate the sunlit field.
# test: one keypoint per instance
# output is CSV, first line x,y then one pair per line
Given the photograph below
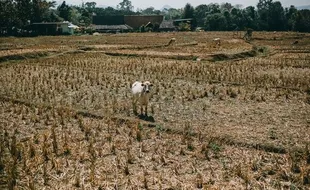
x,y
228,116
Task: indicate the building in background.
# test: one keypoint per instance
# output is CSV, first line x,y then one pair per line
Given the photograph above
x,y
126,23
53,28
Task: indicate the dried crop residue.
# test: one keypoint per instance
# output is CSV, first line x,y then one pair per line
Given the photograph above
x,y
67,121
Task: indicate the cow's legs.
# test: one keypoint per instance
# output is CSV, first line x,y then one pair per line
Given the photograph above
x,y
141,109
134,105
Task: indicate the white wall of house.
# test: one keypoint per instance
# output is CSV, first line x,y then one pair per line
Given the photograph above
x,y
65,29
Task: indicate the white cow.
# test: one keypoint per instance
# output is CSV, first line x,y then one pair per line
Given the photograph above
x,y
141,95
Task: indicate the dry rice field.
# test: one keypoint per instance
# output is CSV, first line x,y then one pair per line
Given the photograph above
x,y
234,116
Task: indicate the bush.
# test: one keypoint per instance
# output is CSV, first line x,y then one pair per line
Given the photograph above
x,y
89,30
184,27
142,28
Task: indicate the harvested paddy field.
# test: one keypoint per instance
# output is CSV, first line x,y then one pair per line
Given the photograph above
x,y
234,116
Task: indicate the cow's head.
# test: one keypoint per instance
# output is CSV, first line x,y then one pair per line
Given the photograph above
x,y
146,86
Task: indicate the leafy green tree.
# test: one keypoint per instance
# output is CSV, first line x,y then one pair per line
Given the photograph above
x,y
216,22
54,17
90,5
302,21
271,15
184,26
150,11
125,6
213,8
226,6
188,11
250,17
276,20
263,7
64,11
8,17
230,25
40,10
290,15
173,13
75,15
81,15
200,14
23,8
237,18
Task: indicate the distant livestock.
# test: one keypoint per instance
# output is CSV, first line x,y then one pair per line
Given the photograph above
x,y
295,42
172,40
141,94
217,41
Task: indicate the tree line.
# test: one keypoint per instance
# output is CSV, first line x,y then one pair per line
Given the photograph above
x,y
268,15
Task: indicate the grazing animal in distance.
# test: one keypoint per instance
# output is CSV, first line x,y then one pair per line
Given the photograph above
x,y
217,41
141,94
295,42
172,40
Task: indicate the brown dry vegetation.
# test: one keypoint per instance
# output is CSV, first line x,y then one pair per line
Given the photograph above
x,y
238,118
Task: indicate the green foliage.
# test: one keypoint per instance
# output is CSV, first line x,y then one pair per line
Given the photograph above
x,y
89,30
65,11
23,8
214,147
142,28
8,15
125,5
302,21
267,15
150,11
290,15
40,10
216,22
54,17
184,27
172,14
200,14
156,27
90,5
188,11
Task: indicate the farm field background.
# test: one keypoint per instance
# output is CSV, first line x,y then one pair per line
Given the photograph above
x,y
234,116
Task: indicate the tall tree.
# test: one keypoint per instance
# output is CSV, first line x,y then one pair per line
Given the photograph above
x,y
250,17
237,18
227,6
173,13
40,10
75,16
150,11
276,17
125,6
90,5
216,22
263,7
64,11
8,17
200,14
86,17
290,15
302,21
227,15
53,17
23,8
188,11
214,8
